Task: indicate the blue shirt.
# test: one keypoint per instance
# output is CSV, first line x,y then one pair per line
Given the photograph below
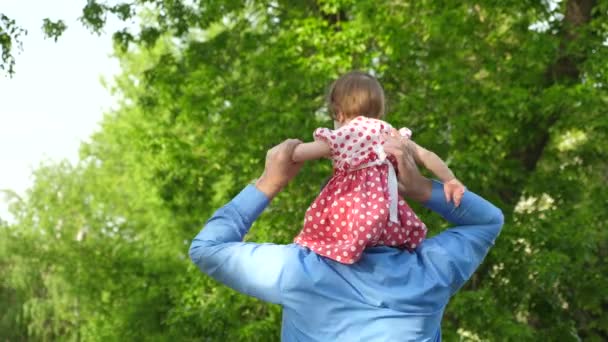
x,y
388,295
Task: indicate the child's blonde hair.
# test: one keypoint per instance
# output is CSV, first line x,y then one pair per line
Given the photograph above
x,y
356,93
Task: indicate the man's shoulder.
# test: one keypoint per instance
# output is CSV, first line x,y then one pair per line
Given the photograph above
x,y
378,269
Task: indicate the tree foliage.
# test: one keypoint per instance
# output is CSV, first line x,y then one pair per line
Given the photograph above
x,y
511,93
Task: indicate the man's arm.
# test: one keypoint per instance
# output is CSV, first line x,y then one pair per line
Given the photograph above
x,y
412,184
219,251
454,254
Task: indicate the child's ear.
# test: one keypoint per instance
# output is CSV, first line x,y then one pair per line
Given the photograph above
x,y
340,117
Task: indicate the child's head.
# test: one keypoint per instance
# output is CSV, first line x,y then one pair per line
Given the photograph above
x,y
353,94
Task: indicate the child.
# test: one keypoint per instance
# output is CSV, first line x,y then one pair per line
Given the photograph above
x,y
360,206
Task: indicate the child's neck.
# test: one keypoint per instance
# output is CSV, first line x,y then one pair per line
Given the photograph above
x,y
338,124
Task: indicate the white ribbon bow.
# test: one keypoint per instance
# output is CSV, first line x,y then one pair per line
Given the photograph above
x,y
392,183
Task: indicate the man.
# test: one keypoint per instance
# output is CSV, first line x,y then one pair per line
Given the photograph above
x,y
388,295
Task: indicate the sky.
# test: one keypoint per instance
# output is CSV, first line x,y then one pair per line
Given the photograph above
x,y
55,100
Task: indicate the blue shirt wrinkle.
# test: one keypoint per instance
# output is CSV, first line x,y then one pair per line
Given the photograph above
x,y
389,295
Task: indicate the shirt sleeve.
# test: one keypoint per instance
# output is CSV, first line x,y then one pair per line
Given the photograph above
x,y
250,268
456,253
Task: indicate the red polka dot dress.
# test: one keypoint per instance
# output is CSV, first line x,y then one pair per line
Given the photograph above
x,y
359,207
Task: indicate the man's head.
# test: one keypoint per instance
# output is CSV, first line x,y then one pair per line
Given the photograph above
x,y
353,94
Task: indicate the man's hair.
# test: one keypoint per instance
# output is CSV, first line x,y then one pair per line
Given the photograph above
x,y
356,93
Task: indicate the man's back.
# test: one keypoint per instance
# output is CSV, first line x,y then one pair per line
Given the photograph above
x,y
389,295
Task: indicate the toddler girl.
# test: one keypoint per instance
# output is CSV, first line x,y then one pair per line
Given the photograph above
x,y
360,205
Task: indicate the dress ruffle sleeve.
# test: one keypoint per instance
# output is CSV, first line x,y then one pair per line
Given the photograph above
x,y
324,134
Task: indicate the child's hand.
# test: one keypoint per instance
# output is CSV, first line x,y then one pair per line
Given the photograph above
x,y
453,191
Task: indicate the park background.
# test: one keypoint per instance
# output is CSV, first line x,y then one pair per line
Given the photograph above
x,y
513,94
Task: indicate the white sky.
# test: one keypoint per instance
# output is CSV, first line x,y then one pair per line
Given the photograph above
x,y
55,100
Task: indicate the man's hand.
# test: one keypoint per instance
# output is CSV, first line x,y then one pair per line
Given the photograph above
x,y
453,190
279,169
411,183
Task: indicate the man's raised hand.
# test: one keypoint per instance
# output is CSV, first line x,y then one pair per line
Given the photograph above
x,y
279,168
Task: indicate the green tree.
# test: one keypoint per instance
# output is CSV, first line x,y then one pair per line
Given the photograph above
x,y
511,93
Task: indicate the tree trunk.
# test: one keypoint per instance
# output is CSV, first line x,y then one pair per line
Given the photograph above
x,y
564,70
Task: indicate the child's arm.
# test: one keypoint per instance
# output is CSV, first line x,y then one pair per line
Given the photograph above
x,y
433,163
219,251
452,187
310,151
